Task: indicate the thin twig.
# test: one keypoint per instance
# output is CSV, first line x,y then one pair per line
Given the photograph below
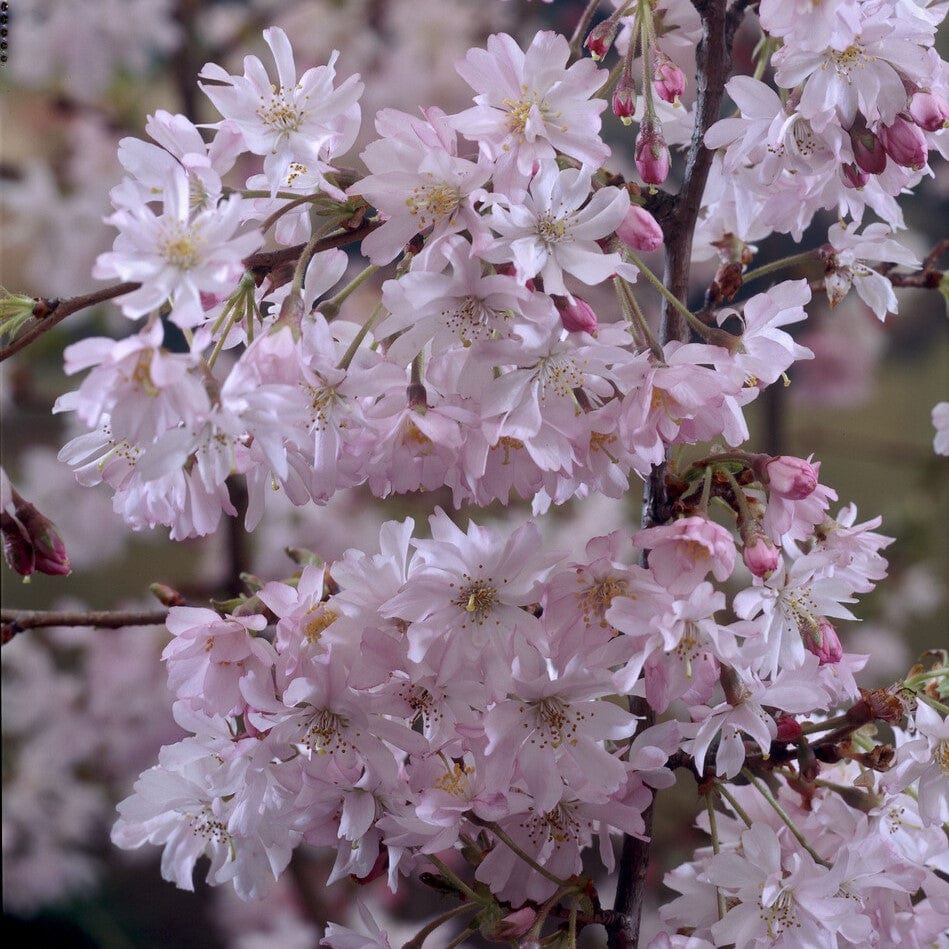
x,y
17,621
53,312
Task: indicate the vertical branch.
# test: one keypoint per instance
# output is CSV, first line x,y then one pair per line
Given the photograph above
x,y
713,62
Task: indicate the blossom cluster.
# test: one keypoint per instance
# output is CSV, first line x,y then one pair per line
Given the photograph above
x,y
391,706
467,690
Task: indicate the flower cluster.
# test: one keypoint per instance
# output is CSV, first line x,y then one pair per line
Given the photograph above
x,y
466,690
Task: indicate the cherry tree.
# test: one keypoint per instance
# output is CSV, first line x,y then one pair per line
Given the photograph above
x,y
460,308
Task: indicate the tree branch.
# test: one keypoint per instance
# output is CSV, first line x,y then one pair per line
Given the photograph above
x,y
17,621
50,311
713,64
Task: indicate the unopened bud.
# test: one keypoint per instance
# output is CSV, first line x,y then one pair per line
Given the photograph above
x,y
513,925
905,143
789,729
652,155
166,595
929,110
823,642
17,549
577,315
624,98
669,80
640,230
868,151
789,477
48,549
600,38
761,557
854,177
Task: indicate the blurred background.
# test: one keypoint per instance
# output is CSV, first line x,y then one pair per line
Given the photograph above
x,y
85,711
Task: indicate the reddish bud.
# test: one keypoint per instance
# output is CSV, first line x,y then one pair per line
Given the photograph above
x,y
761,557
789,477
652,155
512,925
17,549
48,547
577,315
929,110
905,143
824,643
624,98
600,38
789,729
868,151
639,229
669,80
854,177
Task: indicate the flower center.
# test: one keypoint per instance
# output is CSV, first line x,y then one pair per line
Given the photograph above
x,y
180,247
317,621
596,599
552,230
206,825
478,598
280,113
554,723
455,782
323,733
432,203
852,58
470,319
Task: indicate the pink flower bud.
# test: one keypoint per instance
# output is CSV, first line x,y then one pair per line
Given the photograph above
x,y
868,151
624,105
624,98
929,110
789,477
17,549
905,143
48,548
652,155
639,229
577,315
789,729
600,38
669,80
824,643
854,177
761,557
513,925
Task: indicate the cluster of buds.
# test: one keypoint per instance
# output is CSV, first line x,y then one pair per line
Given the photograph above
x,y
902,142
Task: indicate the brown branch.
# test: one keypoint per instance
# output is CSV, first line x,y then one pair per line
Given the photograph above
x,y
713,65
17,621
51,312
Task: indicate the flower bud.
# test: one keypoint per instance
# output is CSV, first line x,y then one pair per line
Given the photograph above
x,y
600,38
929,110
17,549
789,728
789,477
624,98
48,548
639,229
905,143
513,925
854,177
761,557
652,154
824,643
669,80
868,151
577,315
